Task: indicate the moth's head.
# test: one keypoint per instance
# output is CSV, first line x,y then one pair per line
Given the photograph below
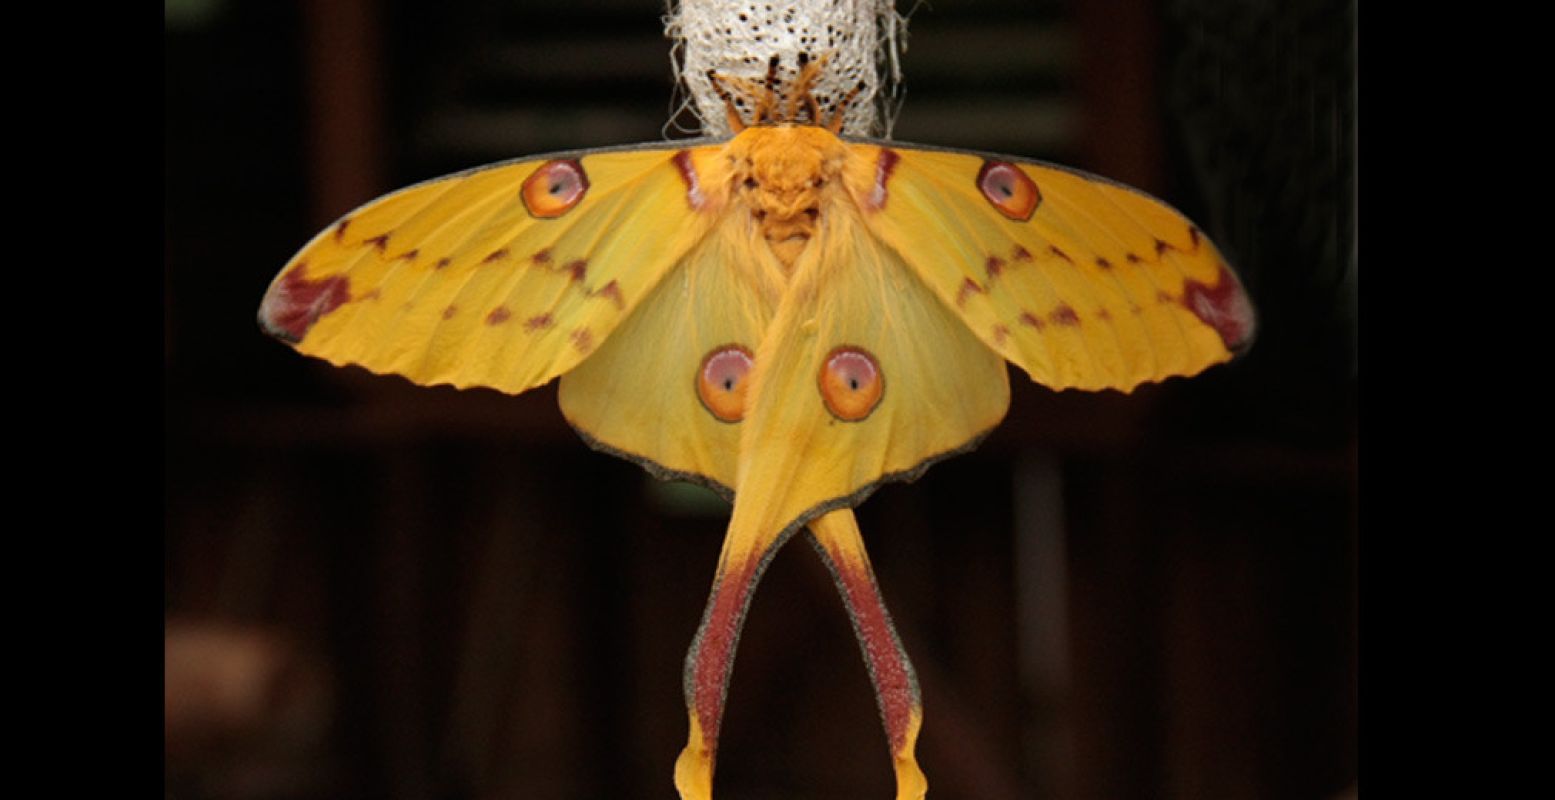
x,y
784,159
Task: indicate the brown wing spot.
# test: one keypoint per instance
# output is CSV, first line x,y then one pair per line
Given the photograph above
x,y
1001,335
1021,254
688,174
442,262
612,291
1224,307
1193,236
1064,315
1161,246
1103,263
498,315
294,303
538,323
583,340
1132,259
884,167
340,230
1102,313
1028,318
409,255
1054,249
372,295
968,287
995,266
542,257
449,312
1162,297
577,269
379,242
495,255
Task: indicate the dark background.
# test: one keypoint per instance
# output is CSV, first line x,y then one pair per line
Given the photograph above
x,y
376,590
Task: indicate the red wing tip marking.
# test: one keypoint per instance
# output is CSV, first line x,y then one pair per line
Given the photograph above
x,y
498,315
1224,307
294,303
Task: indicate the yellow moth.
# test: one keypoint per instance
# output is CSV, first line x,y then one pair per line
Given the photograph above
x,y
788,316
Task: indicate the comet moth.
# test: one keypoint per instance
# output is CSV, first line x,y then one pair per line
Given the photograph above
x,y
790,316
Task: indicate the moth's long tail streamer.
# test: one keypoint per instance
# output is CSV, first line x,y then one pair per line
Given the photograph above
x,y
836,537
711,659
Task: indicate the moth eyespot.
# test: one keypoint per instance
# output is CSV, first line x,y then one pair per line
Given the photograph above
x,y
554,189
721,382
1009,189
851,383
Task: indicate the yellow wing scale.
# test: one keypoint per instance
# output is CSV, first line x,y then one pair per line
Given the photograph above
x,y
455,281
637,397
1095,290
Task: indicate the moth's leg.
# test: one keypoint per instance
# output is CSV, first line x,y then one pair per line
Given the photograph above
x,y
711,659
733,115
835,126
809,74
836,538
767,104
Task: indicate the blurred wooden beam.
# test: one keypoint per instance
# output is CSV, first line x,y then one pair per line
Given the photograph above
x,y
1118,62
341,43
